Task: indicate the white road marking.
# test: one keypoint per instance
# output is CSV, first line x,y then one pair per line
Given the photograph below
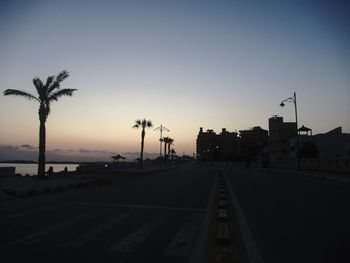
x,y
100,229
198,251
135,238
36,236
181,244
249,242
29,211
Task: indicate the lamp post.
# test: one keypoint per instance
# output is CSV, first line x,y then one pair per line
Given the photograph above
x,y
294,100
161,129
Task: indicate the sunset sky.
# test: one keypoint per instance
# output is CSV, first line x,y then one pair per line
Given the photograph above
x,y
183,64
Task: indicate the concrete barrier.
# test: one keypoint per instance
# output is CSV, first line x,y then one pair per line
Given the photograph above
x,y
7,171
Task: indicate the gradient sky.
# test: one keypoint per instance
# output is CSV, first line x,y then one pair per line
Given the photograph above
x,y
183,64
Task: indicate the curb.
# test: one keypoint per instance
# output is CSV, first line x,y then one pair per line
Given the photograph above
x,y
326,178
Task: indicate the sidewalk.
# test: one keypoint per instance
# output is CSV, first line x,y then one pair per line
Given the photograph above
x,y
335,177
24,186
343,178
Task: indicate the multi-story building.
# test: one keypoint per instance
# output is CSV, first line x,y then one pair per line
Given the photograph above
x,y
280,134
253,141
212,146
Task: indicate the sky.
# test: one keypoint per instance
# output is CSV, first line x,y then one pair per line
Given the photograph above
x,y
182,64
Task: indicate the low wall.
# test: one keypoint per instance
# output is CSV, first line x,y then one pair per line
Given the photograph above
x,y
7,171
331,165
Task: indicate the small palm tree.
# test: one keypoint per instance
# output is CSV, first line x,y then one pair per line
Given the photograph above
x,y
173,153
47,93
167,143
142,124
170,142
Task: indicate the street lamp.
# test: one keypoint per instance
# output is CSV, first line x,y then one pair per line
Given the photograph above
x,y
161,129
294,100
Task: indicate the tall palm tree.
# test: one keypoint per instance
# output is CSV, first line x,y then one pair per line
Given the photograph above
x,y
142,124
47,93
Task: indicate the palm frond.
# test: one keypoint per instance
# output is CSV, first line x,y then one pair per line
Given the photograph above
x,y
62,76
60,93
15,92
49,81
137,124
39,87
56,82
146,123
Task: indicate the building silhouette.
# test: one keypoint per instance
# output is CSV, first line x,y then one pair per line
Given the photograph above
x,y
280,134
252,142
217,147
277,144
330,145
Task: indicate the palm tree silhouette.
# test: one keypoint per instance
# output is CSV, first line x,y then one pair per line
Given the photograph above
x,y
47,93
167,142
170,142
173,153
142,124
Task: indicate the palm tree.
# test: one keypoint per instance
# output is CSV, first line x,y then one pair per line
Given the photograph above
x,y
47,93
170,142
142,124
167,142
173,153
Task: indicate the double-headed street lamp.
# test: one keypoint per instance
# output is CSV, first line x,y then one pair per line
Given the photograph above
x,y
161,129
294,100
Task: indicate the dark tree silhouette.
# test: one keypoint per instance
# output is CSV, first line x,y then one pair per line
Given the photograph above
x,y
167,143
142,124
170,142
173,154
309,150
47,93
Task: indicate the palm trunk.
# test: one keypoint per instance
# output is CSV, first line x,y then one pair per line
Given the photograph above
x,y
165,150
168,150
42,145
142,145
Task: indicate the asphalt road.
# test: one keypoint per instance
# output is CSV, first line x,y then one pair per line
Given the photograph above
x,y
282,217
292,218
150,218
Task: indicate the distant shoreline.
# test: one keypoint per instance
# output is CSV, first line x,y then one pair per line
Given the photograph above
x,y
33,162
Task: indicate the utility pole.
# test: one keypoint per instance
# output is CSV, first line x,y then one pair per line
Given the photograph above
x,y
294,100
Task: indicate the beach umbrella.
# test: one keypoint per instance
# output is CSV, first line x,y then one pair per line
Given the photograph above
x,y
117,157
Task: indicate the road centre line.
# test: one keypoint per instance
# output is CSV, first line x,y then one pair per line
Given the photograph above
x,y
254,255
199,249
